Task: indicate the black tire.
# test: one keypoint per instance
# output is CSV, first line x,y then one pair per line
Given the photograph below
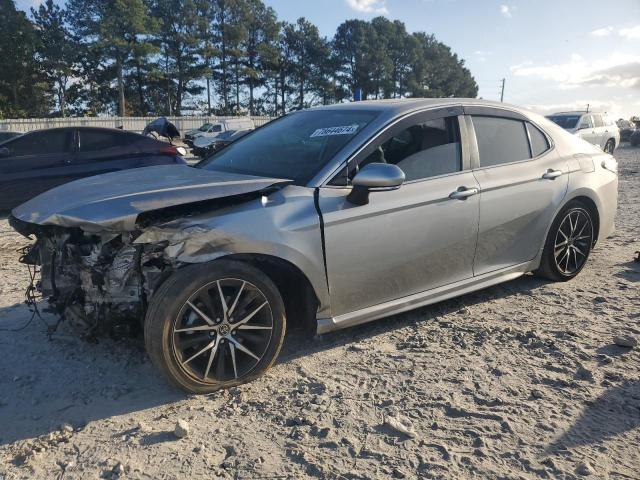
x,y
610,146
552,269
181,302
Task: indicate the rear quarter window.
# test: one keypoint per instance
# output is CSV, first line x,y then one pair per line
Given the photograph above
x,y
539,142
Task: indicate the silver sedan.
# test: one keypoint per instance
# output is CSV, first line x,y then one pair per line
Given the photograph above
x,y
326,218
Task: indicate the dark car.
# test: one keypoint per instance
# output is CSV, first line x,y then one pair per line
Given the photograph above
x,y
634,139
4,136
37,161
626,130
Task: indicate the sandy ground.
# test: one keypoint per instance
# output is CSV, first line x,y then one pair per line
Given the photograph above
x,y
518,381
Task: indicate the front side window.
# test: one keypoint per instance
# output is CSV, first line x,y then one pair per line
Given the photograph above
x,y
296,146
587,122
597,121
500,140
423,150
41,143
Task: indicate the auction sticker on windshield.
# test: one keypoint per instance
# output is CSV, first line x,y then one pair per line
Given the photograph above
x,y
325,132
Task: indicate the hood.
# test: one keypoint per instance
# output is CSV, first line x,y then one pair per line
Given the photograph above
x,y
113,201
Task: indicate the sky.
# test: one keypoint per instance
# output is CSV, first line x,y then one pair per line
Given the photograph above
x,y
555,55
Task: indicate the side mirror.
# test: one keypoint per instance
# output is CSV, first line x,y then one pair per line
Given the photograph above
x,y
4,152
583,126
377,177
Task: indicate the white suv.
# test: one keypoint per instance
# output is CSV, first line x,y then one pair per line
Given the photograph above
x,y
596,128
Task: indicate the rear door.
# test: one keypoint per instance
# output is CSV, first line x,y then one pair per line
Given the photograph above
x,y
37,162
522,183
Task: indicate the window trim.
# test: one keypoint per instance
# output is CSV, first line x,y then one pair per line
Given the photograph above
x,y
424,115
474,143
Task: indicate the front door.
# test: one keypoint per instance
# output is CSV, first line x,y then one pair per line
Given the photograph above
x,y
411,239
37,162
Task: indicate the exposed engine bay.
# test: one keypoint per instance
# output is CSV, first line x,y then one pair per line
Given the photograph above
x,y
98,282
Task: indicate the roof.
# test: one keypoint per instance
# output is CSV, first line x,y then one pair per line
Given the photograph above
x,y
391,108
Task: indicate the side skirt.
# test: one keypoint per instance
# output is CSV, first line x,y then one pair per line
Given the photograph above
x,y
423,298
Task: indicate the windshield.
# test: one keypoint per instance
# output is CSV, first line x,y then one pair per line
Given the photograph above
x,y
205,127
565,121
296,146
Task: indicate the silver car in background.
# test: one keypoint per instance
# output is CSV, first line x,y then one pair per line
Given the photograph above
x,y
326,218
596,128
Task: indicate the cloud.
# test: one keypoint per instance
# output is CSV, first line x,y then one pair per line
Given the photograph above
x,y
602,32
369,6
481,55
617,70
632,33
507,11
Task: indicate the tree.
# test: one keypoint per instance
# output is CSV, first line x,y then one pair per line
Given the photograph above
x,y
23,85
351,48
259,44
57,51
115,28
179,42
206,11
307,52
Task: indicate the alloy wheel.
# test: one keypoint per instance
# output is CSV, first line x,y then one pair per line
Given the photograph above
x,y
573,242
222,331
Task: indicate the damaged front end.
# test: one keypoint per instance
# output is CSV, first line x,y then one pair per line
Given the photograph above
x,y
98,282
105,243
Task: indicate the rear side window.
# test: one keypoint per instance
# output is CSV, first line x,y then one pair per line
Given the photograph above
x,y
41,143
93,141
539,142
500,140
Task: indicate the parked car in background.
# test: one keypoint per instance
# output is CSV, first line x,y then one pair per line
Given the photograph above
x,y
205,146
4,136
626,129
595,128
212,130
37,161
326,218
634,139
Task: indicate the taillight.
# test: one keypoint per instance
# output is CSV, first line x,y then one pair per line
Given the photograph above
x,y
169,150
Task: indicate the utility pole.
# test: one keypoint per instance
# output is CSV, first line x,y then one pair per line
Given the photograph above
x,y
502,91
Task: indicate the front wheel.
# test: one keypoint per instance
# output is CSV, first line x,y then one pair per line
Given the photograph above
x,y
610,146
568,243
215,325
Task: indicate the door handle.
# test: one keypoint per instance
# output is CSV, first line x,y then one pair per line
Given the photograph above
x,y
552,174
463,193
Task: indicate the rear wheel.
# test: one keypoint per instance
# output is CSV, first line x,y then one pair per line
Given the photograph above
x,y
568,243
215,325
